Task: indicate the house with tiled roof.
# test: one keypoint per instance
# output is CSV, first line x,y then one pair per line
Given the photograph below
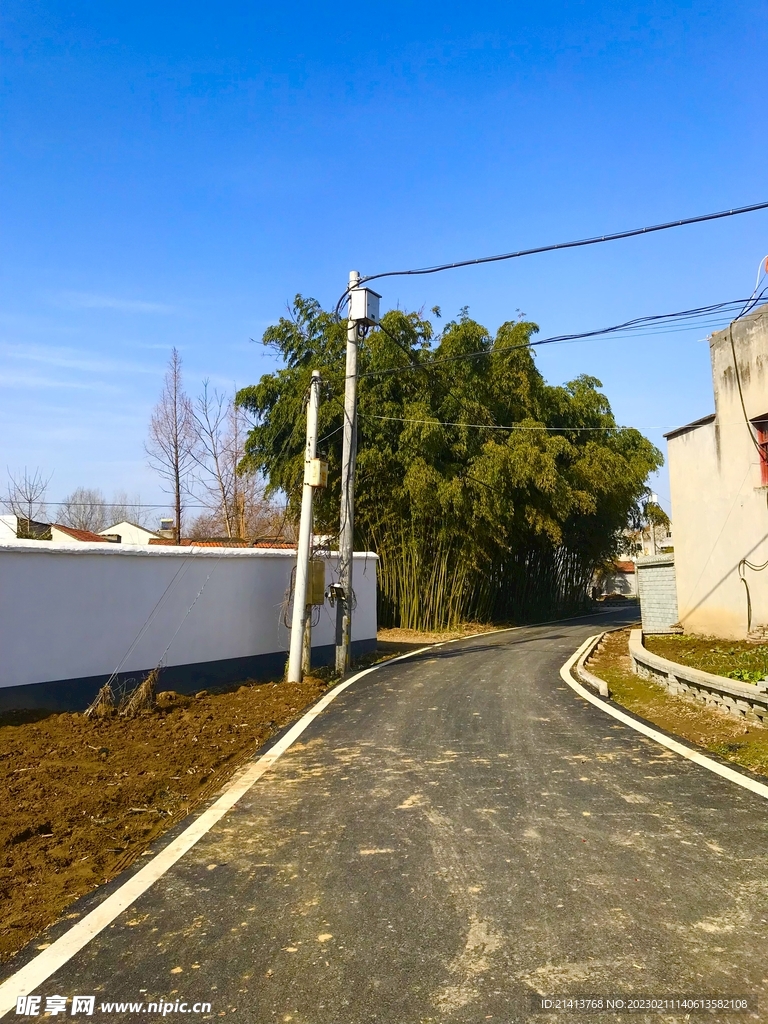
x,y
69,535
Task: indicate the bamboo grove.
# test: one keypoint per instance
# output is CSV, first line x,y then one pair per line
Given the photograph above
x,y
470,521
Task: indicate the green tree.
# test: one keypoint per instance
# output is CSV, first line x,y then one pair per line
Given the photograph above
x,y
470,519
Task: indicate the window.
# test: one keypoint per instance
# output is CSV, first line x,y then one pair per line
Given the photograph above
x,y
761,429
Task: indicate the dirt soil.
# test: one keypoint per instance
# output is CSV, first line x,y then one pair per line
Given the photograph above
x,y
716,731
412,638
83,798
735,659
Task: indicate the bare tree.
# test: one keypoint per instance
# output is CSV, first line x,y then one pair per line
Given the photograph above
x,y
173,437
214,457
125,507
25,497
234,501
84,509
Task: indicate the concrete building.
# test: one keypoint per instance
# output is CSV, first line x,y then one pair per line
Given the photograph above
x,y
649,539
129,533
8,527
718,469
617,579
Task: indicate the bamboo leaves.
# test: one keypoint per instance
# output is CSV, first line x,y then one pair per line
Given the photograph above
x,y
468,520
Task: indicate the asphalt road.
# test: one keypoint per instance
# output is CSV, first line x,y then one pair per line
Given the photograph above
x,y
455,832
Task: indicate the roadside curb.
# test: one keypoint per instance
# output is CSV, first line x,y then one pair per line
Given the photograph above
x,y
597,684
690,753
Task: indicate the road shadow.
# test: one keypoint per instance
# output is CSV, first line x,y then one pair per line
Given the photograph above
x,y
391,648
446,653
505,637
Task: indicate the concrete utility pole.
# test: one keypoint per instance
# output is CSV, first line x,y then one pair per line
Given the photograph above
x,y
363,313
347,520
301,610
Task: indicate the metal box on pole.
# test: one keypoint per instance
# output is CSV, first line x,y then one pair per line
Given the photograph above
x,y
316,581
316,473
364,306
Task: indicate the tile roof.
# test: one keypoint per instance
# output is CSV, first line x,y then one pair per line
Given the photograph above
x,y
81,535
187,542
223,542
624,566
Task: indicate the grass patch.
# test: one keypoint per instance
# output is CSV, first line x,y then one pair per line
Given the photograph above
x,y
745,744
734,659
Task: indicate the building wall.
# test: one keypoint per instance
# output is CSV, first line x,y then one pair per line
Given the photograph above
x,y
70,615
624,583
658,593
719,504
7,527
129,533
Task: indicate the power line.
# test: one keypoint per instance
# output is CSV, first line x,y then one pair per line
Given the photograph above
x,y
594,240
88,504
662,321
107,504
495,426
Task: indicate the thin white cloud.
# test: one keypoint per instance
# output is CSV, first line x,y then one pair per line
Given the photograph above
x,y
19,381
88,300
72,359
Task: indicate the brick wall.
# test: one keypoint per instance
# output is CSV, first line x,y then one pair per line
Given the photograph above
x,y
658,593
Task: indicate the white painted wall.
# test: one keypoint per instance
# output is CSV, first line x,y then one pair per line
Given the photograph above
x,y
68,612
8,527
130,533
619,583
719,504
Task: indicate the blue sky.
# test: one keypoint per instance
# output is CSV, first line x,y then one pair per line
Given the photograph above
x,y
173,173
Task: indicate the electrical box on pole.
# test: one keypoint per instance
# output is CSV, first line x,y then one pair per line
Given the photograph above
x,y
364,306
316,592
316,473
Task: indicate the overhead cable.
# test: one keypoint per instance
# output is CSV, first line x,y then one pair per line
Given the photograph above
x,y
661,320
594,240
495,426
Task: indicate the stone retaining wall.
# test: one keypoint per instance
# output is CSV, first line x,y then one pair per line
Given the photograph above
x,y
748,701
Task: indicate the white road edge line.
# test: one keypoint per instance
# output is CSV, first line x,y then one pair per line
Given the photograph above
x,y
679,748
39,969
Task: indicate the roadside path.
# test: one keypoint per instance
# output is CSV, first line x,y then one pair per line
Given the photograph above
x,y
454,831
